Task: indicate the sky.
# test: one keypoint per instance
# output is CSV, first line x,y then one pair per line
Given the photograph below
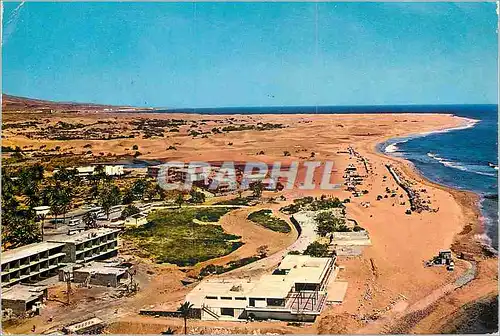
x,y
178,55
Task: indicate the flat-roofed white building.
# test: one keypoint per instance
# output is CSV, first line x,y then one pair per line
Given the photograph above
x,y
297,290
85,170
110,170
113,170
31,262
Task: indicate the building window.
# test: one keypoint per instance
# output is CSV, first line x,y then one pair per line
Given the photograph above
x,y
226,298
227,311
211,297
252,301
276,302
240,298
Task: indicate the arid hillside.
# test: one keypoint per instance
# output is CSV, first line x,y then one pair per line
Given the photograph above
x,y
19,104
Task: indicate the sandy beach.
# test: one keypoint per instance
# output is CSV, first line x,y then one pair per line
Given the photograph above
x,y
401,242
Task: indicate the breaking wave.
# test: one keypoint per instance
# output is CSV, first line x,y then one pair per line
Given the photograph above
x,y
460,166
392,148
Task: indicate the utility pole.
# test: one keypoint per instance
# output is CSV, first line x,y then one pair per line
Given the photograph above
x,y
67,277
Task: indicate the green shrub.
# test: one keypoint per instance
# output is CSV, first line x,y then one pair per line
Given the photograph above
x,y
211,214
266,219
316,249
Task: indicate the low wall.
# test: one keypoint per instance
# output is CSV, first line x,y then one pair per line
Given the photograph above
x,y
194,313
297,225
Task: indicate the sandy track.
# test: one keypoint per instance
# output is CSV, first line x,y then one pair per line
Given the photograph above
x,y
236,222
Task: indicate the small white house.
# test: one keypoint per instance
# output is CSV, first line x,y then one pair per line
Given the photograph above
x,y
113,170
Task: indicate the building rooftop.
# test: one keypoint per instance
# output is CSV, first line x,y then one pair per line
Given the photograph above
x,y
272,286
22,292
102,268
220,288
301,269
83,235
27,250
304,269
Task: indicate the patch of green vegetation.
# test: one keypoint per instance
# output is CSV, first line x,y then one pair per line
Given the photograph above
x,y
312,204
267,220
211,214
235,201
216,269
171,236
328,223
316,249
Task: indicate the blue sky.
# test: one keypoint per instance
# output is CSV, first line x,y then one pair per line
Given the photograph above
x,y
251,54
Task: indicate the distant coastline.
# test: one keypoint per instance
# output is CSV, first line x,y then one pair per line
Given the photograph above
x,y
325,109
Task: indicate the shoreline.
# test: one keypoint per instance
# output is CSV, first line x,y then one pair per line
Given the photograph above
x,y
469,123
470,239
415,172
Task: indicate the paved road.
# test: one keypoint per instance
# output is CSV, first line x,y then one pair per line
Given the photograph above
x,y
308,235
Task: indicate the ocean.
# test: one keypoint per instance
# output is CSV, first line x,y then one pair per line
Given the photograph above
x,y
465,159
459,158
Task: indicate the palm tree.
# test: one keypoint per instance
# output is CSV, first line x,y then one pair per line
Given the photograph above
x,y
33,195
169,331
53,197
109,196
185,310
65,197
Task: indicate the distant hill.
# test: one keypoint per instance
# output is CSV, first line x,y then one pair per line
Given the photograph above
x,y
14,103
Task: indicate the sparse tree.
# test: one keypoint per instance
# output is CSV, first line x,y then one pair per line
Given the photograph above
x,y
185,310
109,196
257,189
90,220
316,249
262,251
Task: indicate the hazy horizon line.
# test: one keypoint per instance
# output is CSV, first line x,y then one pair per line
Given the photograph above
x,y
252,106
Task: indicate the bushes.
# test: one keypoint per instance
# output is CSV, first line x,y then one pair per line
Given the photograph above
x,y
312,204
264,217
130,210
197,197
217,269
316,249
234,201
327,223
211,214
